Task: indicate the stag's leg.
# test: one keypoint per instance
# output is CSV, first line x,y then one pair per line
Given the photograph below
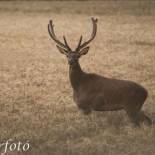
x,y
85,108
133,108
134,117
86,111
133,113
144,118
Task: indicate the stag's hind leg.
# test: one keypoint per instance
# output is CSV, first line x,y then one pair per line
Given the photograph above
x,y
133,108
134,117
144,118
133,113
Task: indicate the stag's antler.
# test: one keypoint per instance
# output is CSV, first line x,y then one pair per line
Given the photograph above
x,y
80,46
65,44
53,36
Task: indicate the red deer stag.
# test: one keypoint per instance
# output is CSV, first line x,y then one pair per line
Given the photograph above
x,y
98,93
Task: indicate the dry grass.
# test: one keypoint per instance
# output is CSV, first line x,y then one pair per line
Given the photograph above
x,y
35,94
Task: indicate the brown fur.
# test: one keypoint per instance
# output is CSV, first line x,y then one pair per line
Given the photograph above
x,y
98,93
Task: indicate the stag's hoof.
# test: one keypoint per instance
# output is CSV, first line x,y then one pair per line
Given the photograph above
x,y
148,121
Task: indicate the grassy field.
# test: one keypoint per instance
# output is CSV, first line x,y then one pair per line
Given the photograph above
x,y
36,96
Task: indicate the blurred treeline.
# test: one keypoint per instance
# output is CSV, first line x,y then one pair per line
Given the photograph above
x,y
136,7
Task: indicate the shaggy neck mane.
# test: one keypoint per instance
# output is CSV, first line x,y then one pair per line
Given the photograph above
x,y
75,75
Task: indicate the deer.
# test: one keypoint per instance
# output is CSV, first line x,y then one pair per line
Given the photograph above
x,y
92,92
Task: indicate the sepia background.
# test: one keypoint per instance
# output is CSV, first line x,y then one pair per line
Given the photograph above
x,y
35,93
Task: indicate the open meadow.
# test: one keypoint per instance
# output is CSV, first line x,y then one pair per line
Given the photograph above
x,y
36,102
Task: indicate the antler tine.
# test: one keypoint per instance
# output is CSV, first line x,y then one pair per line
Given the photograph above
x,y
52,28
94,25
66,44
78,46
94,21
53,36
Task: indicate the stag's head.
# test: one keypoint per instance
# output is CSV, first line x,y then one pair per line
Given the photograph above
x,y
81,49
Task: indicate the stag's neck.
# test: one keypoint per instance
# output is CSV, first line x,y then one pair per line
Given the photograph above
x,y
75,75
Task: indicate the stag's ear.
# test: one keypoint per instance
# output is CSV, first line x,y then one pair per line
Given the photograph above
x,y
62,50
84,51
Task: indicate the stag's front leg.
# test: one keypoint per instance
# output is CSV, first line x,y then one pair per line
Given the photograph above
x,y
85,108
